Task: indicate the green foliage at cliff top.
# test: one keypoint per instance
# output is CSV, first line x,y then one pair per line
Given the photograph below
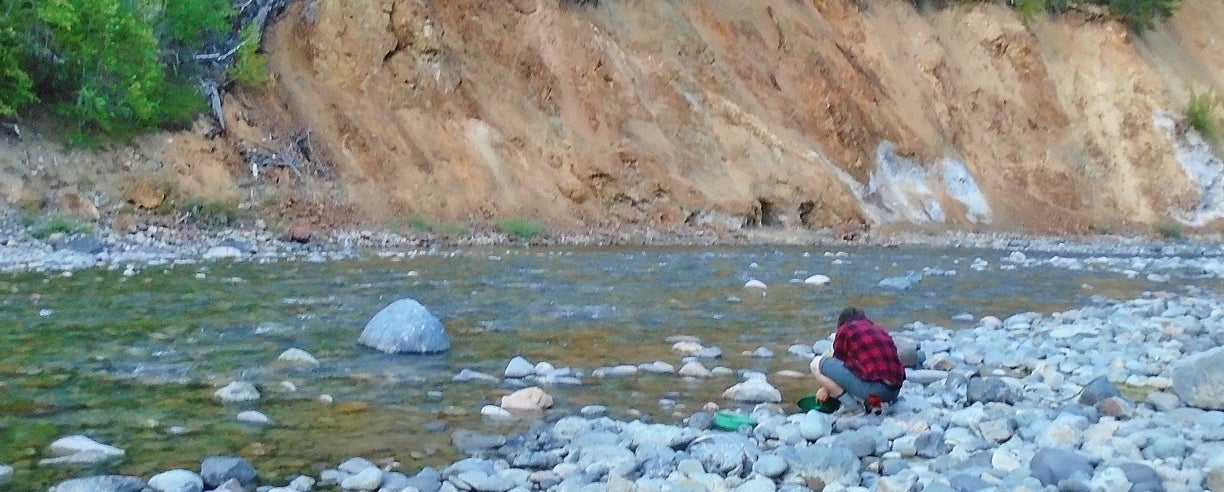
x,y
111,66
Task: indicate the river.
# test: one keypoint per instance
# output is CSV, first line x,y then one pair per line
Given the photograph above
x,y
133,361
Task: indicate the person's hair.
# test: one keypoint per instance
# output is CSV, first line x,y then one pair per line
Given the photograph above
x,y
850,314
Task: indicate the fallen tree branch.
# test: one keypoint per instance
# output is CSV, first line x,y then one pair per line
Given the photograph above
x,y
209,88
220,56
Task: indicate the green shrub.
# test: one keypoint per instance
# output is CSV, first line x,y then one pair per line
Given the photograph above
x,y
521,228
1142,15
110,66
60,224
103,66
1200,114
16,87
419,224
250,68
412,222
191,22
1027,10
213,215
29,210
1169,230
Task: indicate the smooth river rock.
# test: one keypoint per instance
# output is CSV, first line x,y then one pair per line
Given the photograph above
x,y
297,356
405,327
79,450
237,391
104,483
527,400
216,470
754,389
177,480
1199,379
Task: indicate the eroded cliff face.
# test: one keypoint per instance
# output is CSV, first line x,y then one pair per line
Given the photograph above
x,y
817,113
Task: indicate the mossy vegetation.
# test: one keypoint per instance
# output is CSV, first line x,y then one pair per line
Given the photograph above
x,y
1139,15
59,224
1169,230
118,67
250,68
212,214
520,228
1201,115
411,222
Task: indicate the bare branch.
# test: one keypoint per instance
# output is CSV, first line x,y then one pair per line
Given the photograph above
x,y
209,87
220,56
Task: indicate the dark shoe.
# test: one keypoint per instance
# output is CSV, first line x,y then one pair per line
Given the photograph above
x,y
873,405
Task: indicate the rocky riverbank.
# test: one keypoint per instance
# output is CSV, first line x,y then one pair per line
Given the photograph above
x,y
24,248
1116,395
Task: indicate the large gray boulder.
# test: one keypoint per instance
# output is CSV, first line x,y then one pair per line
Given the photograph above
x,y
405,327
1199,379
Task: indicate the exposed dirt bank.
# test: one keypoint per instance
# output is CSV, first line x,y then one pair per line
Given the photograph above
x,y
715,116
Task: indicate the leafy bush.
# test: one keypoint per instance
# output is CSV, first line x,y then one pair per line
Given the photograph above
x,y
191,22
1141,15
521,228
213,215
1027,10
1169,230
1200,114
115,66
412,222
250,68
60,224
16,87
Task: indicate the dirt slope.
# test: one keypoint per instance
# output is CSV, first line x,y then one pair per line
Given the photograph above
x,y
816,113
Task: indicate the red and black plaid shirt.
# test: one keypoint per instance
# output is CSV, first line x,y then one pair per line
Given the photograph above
x,y
869,352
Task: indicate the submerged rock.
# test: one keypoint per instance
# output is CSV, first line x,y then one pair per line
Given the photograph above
x,y
527,399
754,390
216,470
109,483
519,367
297,356
237,391
177,480
405,327
79,450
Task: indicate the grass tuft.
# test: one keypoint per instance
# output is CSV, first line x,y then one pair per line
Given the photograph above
x,y
60,224
1200,114
212,215
521,228
411,222
1169,230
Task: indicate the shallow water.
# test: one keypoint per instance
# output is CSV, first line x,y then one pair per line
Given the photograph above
x,y
134,361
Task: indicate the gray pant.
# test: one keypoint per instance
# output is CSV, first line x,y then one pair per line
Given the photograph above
x,y
836,370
